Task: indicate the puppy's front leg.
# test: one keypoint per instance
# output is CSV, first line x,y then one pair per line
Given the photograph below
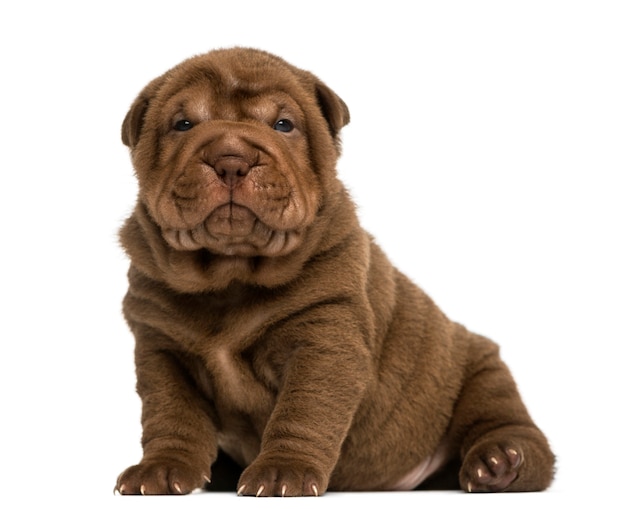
x,y
321,390
179,438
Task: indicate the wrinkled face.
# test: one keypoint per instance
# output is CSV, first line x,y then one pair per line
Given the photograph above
x,y
223,160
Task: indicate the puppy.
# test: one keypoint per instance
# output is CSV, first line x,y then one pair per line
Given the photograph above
x,y
271,329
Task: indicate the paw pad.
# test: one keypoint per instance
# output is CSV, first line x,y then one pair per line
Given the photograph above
x,y
490,468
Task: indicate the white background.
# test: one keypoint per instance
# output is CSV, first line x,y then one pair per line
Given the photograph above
x,y
486,152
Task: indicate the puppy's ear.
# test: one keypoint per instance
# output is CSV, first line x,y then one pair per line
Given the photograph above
x,y
333,108
133,122
131,127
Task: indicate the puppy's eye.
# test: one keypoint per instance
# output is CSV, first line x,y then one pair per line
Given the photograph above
x,y
183,125
284,125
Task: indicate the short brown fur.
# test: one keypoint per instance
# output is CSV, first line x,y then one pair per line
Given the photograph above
x,y
271,328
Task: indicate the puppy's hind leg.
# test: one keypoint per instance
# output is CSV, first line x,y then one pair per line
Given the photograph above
x,y
501,448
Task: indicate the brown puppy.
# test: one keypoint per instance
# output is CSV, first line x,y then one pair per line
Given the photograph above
x,y
271,327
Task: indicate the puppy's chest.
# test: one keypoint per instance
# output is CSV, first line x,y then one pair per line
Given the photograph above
x,y
225,340
233,363
237,381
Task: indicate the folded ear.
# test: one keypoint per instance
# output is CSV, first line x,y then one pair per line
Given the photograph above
x,y
333,108
133,122
131,127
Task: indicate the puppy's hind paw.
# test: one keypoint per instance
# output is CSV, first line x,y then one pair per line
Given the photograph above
x,y
490,468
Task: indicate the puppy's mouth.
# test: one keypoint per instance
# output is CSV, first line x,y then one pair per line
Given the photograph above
x,y
234,230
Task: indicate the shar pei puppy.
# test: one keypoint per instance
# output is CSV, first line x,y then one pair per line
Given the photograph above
x,y
272,332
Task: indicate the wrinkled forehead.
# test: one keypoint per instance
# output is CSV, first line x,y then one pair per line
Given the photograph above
x,y
200,101
233,78
231,85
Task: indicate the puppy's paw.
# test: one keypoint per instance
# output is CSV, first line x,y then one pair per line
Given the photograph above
x,y
156,477
490,467
281,478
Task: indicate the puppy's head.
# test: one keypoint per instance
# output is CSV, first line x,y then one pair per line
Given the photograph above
x,y
234,152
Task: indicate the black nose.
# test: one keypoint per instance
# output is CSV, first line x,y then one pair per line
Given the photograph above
x,y
231,169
